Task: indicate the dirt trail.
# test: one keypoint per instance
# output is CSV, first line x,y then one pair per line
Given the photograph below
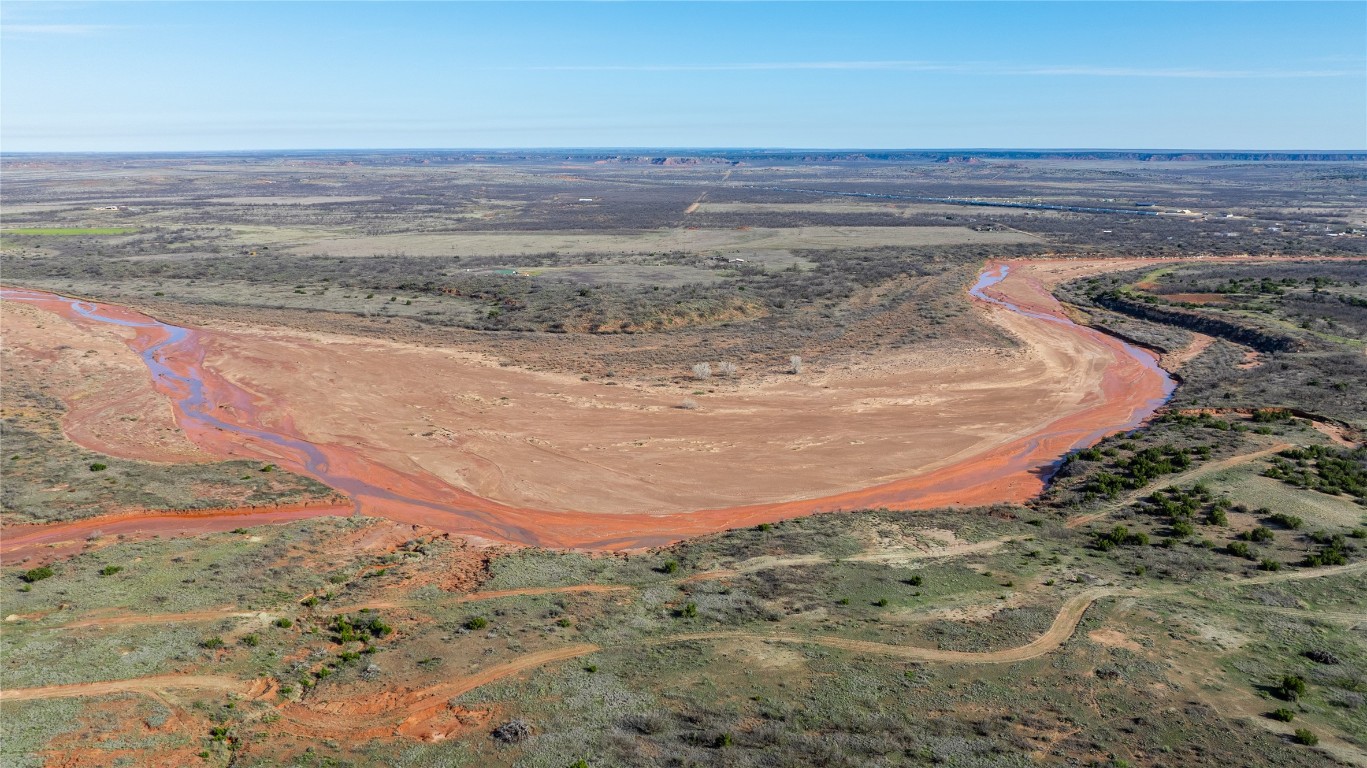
x,y
137,685
884,555
47,541
1335,433
134,619
1064,624
475,597
389,714
1077,521
345,717
1173,361
1347,618
187,617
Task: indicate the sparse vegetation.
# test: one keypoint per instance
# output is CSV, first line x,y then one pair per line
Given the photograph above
x,y
38,574
789,643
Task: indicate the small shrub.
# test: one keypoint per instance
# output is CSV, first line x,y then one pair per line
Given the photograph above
x,y
1282,714
476,622
98,467
38,574
670,566
110,570
251,641
1122,536
211,643
1290,687
1287,521
1304,736
882,602
283,623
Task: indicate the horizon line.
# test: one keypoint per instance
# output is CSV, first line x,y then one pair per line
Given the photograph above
x,y
665,148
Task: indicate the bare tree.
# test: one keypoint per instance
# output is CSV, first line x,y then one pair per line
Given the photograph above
x,y
702,371
726,369
795,364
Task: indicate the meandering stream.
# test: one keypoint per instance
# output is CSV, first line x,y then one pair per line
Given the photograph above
x,y
220,417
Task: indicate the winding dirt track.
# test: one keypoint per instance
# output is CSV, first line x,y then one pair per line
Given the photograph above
x,y
343,716
136,619
1064,624
397,714
135,685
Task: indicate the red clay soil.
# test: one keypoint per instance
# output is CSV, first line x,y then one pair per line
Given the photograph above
x,y
1173,361
111,406
39,543
1120,385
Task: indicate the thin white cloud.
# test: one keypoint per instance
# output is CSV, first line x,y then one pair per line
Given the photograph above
x,y
956,68
1198,74
912,66
66,30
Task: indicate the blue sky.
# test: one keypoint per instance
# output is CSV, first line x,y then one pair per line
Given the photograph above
x,y
219,76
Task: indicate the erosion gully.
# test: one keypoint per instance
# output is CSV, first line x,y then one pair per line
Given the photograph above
x,y
221,417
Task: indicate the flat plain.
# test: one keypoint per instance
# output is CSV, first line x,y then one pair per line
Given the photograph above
x,y
753,459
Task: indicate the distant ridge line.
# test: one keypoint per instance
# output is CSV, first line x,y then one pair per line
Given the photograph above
x,y
696,156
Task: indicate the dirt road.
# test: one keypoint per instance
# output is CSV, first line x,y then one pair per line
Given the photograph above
x,y
1064,624
135,685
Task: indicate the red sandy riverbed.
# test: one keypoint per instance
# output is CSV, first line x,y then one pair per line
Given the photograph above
x,y
1117,387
